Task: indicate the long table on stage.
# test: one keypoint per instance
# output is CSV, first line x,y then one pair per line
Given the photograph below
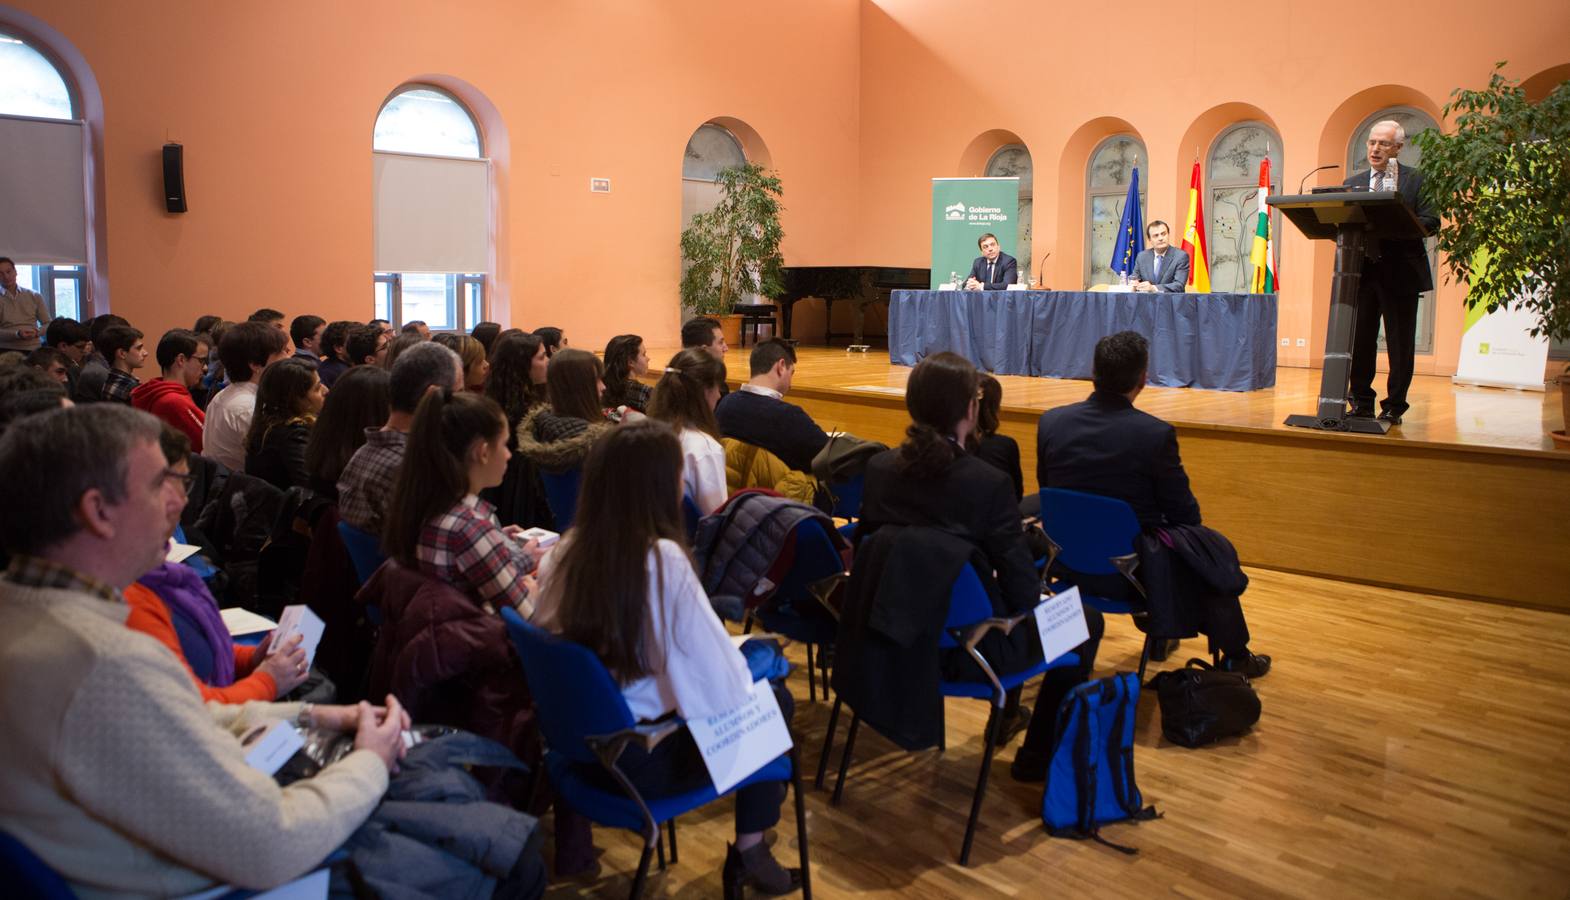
x,y
1223,342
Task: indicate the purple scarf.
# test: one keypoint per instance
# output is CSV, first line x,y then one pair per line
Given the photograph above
x,y
189,601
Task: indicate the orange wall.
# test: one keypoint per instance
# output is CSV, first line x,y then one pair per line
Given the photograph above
x,y
934,78
275,103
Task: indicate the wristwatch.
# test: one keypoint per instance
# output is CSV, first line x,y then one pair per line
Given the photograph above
x,y
304,719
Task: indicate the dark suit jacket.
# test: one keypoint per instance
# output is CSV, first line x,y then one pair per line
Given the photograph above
x,y
1004,272
1408,257
1174,269
1105,446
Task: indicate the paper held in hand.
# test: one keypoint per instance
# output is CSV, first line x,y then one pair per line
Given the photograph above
x,y
738,743
1060,620
299,620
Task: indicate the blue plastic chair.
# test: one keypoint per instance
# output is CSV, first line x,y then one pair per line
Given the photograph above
x,y
1094,535
29,877
561,494
799,608
365,550
585,722
969,619
690,516
847,497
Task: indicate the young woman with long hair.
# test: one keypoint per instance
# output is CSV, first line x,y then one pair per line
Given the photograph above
x,y
486,333
930,480
990,447
625,360
628,592
554,338
288,400
684,399
476,368
517,384
358,404
557,436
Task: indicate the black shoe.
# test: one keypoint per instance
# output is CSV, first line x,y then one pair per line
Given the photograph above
x,y
1249,665
1161,649
1392,418
1013,725
1360,412
1029,768
756,868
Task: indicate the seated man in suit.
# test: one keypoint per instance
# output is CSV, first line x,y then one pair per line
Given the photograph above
x,y
1162,268
1105,446
757,414
993,270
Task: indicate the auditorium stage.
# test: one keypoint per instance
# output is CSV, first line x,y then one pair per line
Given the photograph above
x,y
1466,498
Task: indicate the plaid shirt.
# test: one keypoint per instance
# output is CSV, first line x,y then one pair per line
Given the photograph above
x,y
33,571
466,548
367,481
118,386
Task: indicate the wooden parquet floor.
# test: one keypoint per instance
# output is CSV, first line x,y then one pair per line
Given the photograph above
x,y
1410,746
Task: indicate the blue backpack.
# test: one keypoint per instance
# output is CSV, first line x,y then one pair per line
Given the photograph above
x,y
1090,780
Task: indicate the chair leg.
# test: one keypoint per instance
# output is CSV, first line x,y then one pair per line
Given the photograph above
x,y
801,821
659,850
1144,657
850,746
673,840
643,873
828,744
746,623
812,677
994,721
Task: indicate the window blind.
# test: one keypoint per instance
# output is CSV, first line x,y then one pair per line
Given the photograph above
x,y
433,213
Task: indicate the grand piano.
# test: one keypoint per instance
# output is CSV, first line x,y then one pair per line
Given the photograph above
x,y
858,285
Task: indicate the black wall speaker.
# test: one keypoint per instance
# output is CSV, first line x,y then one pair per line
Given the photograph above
x,y
174,178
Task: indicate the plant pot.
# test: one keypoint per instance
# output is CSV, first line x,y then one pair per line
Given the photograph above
x,y
730,329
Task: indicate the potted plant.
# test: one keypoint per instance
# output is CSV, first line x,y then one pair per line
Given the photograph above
x,y
733,250
1500,183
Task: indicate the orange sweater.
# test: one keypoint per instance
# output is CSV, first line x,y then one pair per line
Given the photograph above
x,y
150,616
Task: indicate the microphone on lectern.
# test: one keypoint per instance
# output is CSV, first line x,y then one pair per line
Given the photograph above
x,y
1320,169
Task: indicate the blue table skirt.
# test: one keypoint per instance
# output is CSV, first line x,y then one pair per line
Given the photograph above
x,y
1223,342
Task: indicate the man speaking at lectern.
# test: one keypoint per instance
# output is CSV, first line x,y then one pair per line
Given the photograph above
x,y
993,270
1394,273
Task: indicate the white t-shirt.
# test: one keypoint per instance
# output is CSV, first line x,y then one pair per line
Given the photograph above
x,y
703,470
228,420
698,671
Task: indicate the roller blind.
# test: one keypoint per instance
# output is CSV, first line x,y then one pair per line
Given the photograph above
x,y
433,213
44,214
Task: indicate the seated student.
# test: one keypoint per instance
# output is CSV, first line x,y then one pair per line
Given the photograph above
x,y
1105,446
115,772
182,358
407,340
436,522
69,337
367,481
418,327
216,378
356,406
517,384
628,592
476,367
557,436
271,318
24,391
51,362
684,399
553,338
172,605
931,481
123,347
704,333
757,414
997,450
625,360
367,345
246,349
288,401
486,333
333,363
306,333
95,368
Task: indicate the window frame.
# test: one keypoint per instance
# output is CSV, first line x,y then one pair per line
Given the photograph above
x,y
479,133
1088,263
455,284
73,96
1027,196
1276,153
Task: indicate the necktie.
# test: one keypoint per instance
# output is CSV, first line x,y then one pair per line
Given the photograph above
x,y
990,264
1157,272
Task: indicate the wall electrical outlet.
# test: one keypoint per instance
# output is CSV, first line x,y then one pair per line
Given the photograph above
x,y
1302,342
1286,342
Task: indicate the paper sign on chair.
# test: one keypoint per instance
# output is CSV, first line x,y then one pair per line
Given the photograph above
x,y
740,742
1060,620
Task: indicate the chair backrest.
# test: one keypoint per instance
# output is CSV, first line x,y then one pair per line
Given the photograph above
x,y
1089,528
365,550
847,497
691,516
969,603
29,877
574,695
561,492
817,557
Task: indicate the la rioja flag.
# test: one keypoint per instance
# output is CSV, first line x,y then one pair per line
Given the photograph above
x,y
1264,253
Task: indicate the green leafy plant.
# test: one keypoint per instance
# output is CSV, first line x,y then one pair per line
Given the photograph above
x,y
734,249
1500,183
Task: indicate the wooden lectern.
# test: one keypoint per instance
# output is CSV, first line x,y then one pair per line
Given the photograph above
x,y
1349,218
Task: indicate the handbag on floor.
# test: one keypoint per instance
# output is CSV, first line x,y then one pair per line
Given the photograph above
x,y
1090,778
1201,704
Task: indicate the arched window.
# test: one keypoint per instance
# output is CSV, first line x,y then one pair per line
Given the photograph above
x,y
433,211
1013,161
1107,177
1233,175
710,149
43,177
1413,121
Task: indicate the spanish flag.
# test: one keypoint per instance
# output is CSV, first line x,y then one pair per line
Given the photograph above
x,y
1194,243
1264,248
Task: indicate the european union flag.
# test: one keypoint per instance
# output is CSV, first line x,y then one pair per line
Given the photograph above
x,y
1131,231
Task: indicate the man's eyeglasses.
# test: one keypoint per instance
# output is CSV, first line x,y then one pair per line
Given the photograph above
x,y
187,480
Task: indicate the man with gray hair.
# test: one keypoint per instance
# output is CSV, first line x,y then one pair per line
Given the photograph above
x,y
1394,273
365,487
113,770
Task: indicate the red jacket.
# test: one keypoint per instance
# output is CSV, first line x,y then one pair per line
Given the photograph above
x,y
170,401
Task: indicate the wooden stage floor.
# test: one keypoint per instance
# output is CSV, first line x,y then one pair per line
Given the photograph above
x,y
1410,746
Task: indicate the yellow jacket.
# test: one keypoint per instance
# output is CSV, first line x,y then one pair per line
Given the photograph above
x,y
750,466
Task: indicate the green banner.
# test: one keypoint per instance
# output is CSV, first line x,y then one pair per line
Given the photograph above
x,y
964,209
